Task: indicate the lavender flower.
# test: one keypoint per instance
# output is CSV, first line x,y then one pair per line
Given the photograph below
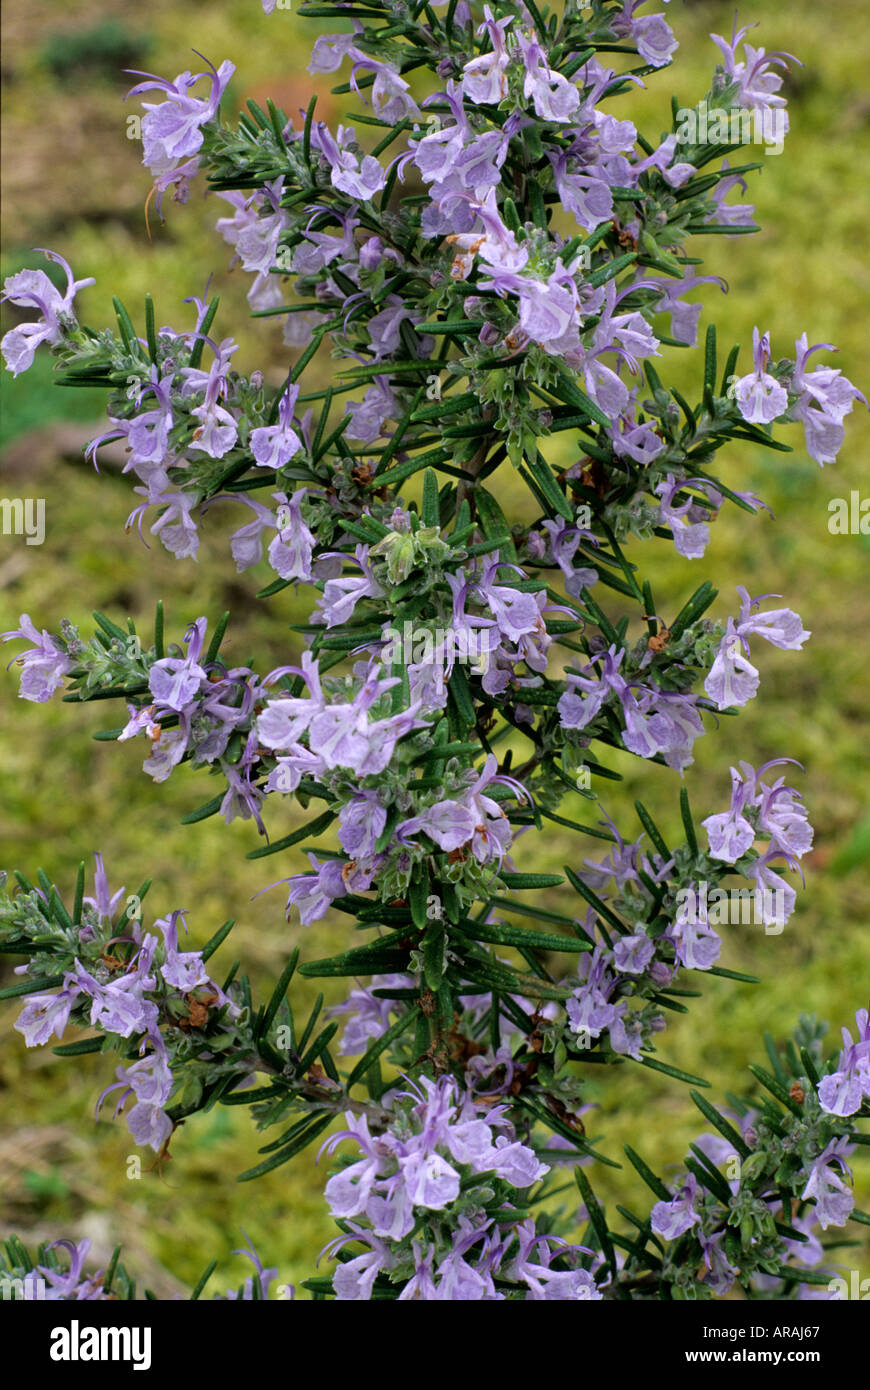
x,y
32,289
175,681
732,679
760,397
842,1092
833,1199
674,1218
43,666
172,130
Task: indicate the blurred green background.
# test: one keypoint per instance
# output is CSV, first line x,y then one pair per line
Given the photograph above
x,y
73,182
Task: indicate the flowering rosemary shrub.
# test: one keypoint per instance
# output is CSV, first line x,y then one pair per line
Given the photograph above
x,y
492,260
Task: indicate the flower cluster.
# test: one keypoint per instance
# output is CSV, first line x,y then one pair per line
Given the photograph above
x,y
437,1192
128,983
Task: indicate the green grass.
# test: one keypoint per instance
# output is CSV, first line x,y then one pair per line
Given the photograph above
x,y
63,795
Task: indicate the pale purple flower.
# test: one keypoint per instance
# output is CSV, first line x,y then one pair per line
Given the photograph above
x,y
637,441
176,681
289,770
672,1219
563,542
330,50
430,1181
175,526
341,596
359,176
833,1198
151,1081
166,752
720,1271
688,520
44,666
730,835
368,416
484,79
760,397
474,818
697,946
588,1008
313,894
651,33
361,822
119,1006
516,614
353,1279
275,445
757,85
684,317
587,197
218,430
842,1092
284,720
632,954
552,95
516,1163
732,679
46,1014
291,550
104,903
584,695
147,434
532,1266
779,626
391,94
730,214
825,397
172,130
183,970
72,1286
32,289
368,1015
654,38
774,896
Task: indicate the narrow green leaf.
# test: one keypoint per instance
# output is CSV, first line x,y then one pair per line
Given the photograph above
x,y
516,880
652,829
655,1184
596,1217
688,823
494,523
217,637
203,1280
31,986
380,1046
594,901
79,1049
710,367
79,894
308,831
209,808
199,346
431,507
675,1072
278,993
719,1122
150,330
771,1084
284,1155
